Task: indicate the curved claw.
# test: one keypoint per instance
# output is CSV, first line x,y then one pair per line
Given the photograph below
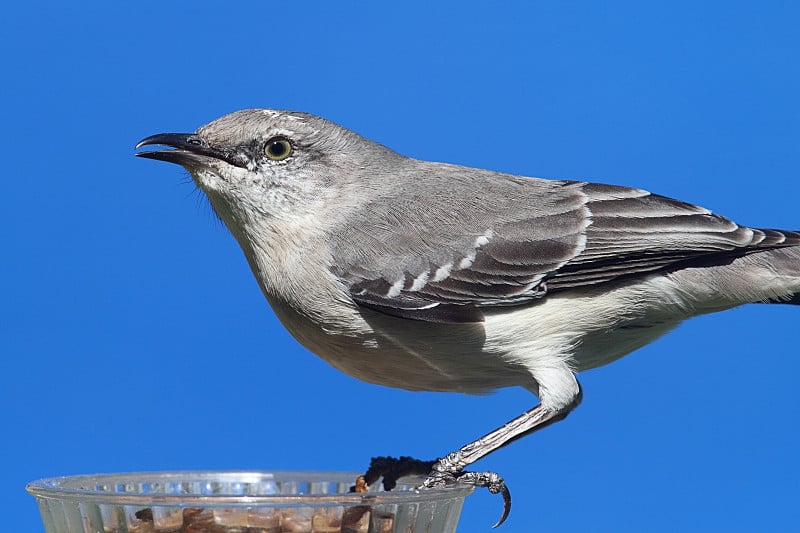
x,y
506,504
440,473
494,483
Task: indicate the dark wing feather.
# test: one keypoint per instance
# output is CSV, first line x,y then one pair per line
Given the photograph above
x,y
519,238
634,232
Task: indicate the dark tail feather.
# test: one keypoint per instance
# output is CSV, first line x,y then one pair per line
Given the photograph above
x,y
792,300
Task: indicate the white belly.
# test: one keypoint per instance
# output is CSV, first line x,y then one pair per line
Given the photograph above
x,y
510,348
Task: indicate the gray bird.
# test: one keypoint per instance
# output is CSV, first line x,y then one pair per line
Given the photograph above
x,y
437,277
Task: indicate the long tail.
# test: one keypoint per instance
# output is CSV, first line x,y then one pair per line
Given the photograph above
x,y
792,238
791,300
765,273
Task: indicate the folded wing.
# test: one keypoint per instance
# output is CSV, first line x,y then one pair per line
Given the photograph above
x,y
442,259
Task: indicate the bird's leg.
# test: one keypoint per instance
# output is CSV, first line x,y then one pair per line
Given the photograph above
x,y
450,469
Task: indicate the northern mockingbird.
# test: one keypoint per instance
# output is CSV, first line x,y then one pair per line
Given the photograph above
x,y
437,277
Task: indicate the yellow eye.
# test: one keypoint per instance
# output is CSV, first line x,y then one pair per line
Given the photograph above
x,y
278,148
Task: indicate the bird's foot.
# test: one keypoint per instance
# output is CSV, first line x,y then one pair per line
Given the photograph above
x,y
441,473
448,471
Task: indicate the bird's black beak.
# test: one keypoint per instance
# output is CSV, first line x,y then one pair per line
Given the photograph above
x,y
188,150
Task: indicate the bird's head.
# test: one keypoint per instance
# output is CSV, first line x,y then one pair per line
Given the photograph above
x,y
267,163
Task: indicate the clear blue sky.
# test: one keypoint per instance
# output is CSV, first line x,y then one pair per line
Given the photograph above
x,y
134,337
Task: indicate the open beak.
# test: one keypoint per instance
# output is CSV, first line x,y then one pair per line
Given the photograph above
x,y
188,150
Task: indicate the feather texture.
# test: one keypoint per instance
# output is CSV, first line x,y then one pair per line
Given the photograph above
x,y
519,239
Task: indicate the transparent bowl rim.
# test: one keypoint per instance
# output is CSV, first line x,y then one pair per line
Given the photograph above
x,y
70,488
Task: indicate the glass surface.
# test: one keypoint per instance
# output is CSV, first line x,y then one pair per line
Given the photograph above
x,y
241,502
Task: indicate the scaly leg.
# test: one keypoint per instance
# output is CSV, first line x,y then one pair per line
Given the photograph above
x,y
450,469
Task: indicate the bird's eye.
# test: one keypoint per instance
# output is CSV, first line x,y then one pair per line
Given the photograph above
x,y
278,148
